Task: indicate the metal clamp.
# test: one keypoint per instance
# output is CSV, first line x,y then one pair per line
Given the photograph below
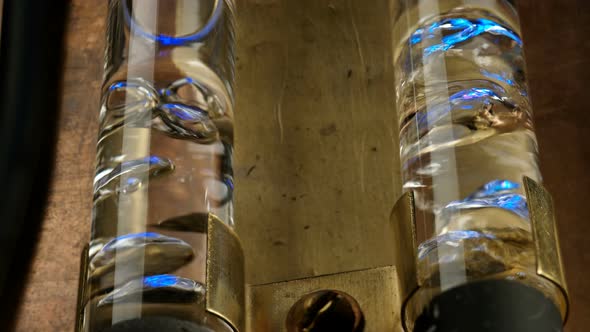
x,y
381,293
225,274
545,239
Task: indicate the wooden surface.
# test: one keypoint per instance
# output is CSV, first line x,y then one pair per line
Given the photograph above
x,y
555,36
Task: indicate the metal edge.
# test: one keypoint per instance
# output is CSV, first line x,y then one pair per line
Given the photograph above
x,y
376,290
546,239
82,282
225,295
403,218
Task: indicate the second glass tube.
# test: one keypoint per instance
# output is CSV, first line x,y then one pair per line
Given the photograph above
x,y
466,142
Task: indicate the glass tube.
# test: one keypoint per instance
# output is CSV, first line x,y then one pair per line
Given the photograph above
x,y
466,142
163,162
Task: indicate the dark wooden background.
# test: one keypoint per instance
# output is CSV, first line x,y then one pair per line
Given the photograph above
x,y
557,44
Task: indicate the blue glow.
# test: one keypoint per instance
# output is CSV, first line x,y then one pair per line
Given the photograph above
x,y
473,93
512,203
462,235
154,160
433,27
501,185
467,99
172,40
229,182
158,281
185,112
495,187
498,193
495,28
117,86
463,29
136,235
498,77
416,37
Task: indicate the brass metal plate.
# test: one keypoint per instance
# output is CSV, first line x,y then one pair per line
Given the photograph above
x,y
225,274
375,290
316,163
545,237
82,281
403,219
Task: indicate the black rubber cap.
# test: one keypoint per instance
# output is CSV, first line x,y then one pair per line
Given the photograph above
x,y
490,306
157,324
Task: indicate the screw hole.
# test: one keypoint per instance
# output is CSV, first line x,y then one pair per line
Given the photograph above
x,y
326,311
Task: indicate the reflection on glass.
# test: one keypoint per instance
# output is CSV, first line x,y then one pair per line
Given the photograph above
x,y
466,141
163,161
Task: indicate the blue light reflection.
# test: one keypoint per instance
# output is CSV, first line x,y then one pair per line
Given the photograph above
x,y
461,30
495,194
167,40
163,280
185,112
497,77
473,93
494,188
466,99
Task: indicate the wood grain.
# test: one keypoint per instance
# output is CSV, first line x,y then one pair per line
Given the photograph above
x,y
558,70
555,34
49,301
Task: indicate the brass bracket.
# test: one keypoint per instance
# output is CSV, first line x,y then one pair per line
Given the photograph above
x,y
380,292
546,239
225,274
544,230
82,286
224,296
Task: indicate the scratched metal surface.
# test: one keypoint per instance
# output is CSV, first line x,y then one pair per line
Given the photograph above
x,y
316,147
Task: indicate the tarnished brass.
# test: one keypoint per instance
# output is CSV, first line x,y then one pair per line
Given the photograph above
x,y
315,173
375,290
432,8
225,274
544,226
316,134
380,292
82,281
545,238
403,219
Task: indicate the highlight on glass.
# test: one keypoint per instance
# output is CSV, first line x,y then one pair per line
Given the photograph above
x,y
163,165
467,141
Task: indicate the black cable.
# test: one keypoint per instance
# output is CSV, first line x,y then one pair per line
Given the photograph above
x,y
31,54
